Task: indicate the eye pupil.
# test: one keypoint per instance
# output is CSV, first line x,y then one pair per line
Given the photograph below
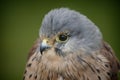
x,y
62,37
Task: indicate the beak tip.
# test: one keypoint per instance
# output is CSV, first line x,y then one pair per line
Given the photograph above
x,y
43,48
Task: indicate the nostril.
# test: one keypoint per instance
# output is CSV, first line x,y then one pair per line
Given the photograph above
x,y
59,52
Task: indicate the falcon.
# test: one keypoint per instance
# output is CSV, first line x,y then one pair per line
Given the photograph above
x,y
70,47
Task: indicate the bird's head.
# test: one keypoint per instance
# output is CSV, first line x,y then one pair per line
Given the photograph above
x,y
66,31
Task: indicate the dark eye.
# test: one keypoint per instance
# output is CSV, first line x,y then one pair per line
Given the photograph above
x,y
63,37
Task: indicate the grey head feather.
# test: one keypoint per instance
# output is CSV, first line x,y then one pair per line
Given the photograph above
x,y
84,33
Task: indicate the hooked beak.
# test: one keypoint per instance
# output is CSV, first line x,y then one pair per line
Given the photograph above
x,y
44,46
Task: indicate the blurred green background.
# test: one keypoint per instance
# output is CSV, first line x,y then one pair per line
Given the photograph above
x,y
20,22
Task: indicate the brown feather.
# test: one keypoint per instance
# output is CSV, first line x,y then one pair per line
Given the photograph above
x,y
101,65
114,63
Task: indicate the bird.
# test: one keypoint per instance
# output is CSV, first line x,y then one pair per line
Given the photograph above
x,y
70,47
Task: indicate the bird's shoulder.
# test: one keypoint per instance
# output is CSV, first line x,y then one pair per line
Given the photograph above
x,y
114,63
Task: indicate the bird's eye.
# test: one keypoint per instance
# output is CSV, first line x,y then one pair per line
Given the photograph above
x,y
62,38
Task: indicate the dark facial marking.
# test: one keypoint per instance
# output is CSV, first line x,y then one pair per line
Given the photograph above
x,y
59,52
25,72
29,65
98,70
110,74
30,75
33,58
24,78
36,77
99,77
106,65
